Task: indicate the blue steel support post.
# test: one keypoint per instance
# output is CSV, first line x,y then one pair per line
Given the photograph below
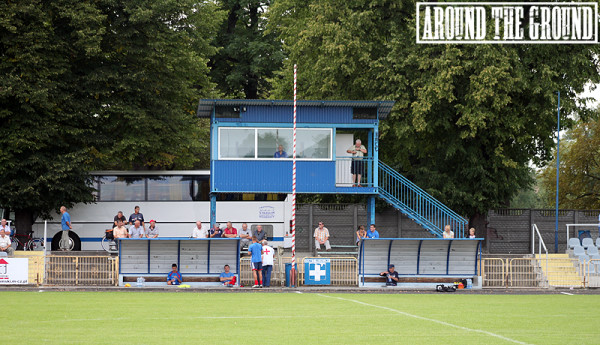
x,y
448,257
213,209
557,173
369,168
371,209
375,170
390,252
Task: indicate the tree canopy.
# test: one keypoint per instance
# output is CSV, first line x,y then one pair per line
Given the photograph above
x,y
248,56
88,84
468,118
579,179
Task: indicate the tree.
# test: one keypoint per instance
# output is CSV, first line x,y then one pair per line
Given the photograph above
x,y
90,84
579,179
468,118
248,56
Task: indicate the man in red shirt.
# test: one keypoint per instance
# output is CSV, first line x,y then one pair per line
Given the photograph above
x,y
230,231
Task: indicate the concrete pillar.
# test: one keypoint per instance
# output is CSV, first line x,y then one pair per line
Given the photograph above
x,y
370,210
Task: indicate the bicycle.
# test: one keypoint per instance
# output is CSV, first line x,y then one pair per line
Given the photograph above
x,y
27,242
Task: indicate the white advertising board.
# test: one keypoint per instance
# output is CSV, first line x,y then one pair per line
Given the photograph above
x,y
14,271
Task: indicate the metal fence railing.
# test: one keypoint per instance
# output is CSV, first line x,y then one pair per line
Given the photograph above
x,y
345,167
493,272
344,271
82,270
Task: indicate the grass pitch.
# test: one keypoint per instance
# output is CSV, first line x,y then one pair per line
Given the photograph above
x,y
291,318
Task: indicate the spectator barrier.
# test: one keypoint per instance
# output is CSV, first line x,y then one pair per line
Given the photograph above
x,y
70,270
200,261
420,262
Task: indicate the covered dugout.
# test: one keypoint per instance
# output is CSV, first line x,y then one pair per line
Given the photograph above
x,y
200,261
422,262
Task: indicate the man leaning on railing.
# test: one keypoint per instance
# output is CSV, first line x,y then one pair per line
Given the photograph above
x,y
358,151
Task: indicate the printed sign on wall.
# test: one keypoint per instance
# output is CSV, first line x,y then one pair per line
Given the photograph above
x,y
14,271
317,271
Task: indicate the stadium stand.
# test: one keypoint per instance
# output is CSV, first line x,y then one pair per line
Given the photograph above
x,y
578,250
592,250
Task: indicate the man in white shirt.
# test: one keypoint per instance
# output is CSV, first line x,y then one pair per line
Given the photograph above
x,y
4,226
5,243
199,231
267,263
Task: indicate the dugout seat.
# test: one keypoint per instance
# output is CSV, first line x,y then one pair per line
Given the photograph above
x,y
3,254
573,242
578,250
592,250
587,242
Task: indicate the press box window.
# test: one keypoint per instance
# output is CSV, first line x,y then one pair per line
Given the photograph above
x,y
222,111
364,113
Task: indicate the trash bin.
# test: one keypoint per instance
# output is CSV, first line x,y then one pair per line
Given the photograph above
x,y
288,273
584,234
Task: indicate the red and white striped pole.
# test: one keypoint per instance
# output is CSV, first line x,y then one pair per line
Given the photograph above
x,y
293,270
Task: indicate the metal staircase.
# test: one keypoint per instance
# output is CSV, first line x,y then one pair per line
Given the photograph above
x,y
417,204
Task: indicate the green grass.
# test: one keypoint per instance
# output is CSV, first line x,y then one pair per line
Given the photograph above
x,y
291,318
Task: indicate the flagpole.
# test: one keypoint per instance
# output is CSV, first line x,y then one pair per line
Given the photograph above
x,y
293,269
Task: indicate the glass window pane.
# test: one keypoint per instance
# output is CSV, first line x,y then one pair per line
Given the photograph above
x,y
236,143
313,143
269,141
201,188
170,188
122,188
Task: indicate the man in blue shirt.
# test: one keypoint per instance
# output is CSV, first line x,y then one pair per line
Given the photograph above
x,y
280,153
227,278
174,277
372,232
255,249
136,215
65,222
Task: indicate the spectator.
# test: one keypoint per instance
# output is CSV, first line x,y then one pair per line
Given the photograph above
x,y
267,263
357,150
120,231
216,231
174,277
136,215
391,276
245,235
65,222
5,243
4,226
447,232
372,232
259,234
136,230
280,153
255,250
199,231
227,278
472,233
321,237
152,231
360,234
230,231
118,217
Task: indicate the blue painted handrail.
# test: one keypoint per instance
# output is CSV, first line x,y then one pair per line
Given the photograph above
x,y
419,205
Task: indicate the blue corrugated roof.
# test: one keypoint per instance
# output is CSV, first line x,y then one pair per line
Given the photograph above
x,y
206,106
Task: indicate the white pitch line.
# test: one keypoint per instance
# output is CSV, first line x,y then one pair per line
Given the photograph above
x,y
566,293
195,317
431,320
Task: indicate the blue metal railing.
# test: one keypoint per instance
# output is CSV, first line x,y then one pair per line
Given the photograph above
x,y
418,204
345,165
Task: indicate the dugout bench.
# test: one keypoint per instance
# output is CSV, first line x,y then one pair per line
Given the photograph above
x,y
199,260
421,262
